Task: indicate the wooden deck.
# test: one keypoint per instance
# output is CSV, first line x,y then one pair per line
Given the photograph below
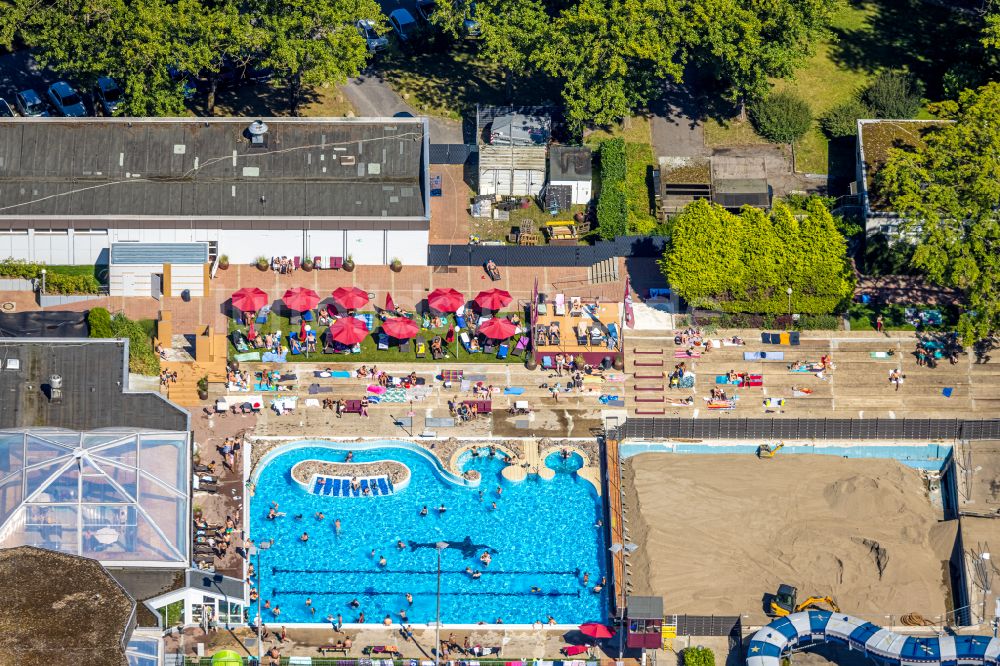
x,y
608,313
616,525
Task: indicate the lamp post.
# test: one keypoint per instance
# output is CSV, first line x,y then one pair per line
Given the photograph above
x,y
439,546
260,620
43,280
789,292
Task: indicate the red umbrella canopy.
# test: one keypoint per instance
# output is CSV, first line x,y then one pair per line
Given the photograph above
x,y
445,300
249,299
351,298
400,328
301,299
349,330
498,329
389,304
595,630
493,299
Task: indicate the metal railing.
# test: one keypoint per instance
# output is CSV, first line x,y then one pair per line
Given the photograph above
x,y
890,429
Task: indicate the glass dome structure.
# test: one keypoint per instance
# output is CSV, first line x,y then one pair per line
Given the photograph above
x,y
117,496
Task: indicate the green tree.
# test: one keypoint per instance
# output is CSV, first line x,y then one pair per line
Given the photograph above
x,y
134,42
842,120
221,33
746,43
314,42
893,95
781,117
948,192
746,262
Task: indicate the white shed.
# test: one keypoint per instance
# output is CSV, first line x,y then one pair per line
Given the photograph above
x,y
572,166
158,269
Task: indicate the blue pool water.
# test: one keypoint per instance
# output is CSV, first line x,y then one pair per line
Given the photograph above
x,y
542,535
918,456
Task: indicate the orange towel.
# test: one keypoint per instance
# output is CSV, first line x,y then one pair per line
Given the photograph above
x,y
784,339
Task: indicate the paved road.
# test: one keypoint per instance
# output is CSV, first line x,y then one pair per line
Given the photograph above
x,y
677,126
371,96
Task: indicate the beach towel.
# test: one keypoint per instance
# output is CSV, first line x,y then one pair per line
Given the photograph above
x,y
312,402
272,357
684,354
260,387
394,395
947,391
879,354
804,368
800,393
248,356
343,374
615,377
377,390
764,356
476,377
774,402
513,390
769,338
687,381
721,404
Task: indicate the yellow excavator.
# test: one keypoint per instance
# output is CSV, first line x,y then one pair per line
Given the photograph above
x,y
768,451
784,602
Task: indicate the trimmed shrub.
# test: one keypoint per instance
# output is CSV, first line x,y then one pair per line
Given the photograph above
x,y
894,95
99,321
819,322
55,282
612,205
699,656
842,120
781,117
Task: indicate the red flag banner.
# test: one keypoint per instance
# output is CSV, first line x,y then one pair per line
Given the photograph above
x,y
629,314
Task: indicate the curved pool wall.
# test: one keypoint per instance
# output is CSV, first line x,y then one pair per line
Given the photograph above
x,y
362,446
543,534
886,647
933,457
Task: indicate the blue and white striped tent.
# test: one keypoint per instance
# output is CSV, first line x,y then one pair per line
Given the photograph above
x,y
887,647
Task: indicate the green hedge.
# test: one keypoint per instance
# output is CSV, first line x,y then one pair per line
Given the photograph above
x,y
612,204
143,359
56,282
699,656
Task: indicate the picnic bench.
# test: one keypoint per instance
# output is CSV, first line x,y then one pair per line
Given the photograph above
x,y
482,406
334,648
352,407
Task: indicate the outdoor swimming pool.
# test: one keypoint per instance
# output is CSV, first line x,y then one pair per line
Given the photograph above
x,y
542,535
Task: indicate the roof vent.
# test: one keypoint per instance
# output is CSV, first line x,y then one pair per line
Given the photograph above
x,y
13,364
55,388
257,131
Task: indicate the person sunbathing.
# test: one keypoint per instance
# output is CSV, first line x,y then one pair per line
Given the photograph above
x,y
362,371
474,345
436,350
796,366
732,376
399,312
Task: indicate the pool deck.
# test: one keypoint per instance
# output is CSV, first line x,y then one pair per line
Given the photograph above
x,y
517,642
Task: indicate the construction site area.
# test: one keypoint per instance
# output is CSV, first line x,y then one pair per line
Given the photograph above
x,y
732,534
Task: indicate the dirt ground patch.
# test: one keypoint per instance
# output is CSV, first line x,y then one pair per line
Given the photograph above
x,y
718,532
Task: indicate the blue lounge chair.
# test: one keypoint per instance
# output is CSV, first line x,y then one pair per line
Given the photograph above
x,y
383,342
547,362
459,321
503,351
262,314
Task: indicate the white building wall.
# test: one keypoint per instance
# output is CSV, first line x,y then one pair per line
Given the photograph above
x,y
367,247
90,247
187,276
51,247
16,244
581,189
410,247
132,280
516,182
244,246
326,244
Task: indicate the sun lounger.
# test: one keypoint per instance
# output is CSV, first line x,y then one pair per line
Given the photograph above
x,y
581,335
612,334
503,351
560,305
336,263
489,346
262,314
547,362
520,347
459,321
297,262
575,306
421,347
383,342
404,346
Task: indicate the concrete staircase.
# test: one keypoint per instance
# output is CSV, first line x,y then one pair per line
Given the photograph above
x,y
209,361
603,271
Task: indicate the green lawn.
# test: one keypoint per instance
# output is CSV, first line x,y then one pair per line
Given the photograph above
x,y
822,81
369,347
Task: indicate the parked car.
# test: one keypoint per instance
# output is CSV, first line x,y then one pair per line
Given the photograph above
x,y
404,24
107,95
29,104
366,28
66,100
5,110
425,8
471,23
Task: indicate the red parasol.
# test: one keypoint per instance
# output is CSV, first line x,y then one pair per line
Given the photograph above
x,y
498,328
389,305
595,630
445,300
400,328
493,299
351,298
301,299
249,299
349,330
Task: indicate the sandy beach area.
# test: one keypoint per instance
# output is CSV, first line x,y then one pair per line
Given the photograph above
x,y
717,532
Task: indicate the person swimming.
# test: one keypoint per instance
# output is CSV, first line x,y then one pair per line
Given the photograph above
x,y
423,511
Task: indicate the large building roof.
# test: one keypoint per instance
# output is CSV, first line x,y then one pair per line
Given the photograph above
x,y
876,139
131,170
94,387
61,609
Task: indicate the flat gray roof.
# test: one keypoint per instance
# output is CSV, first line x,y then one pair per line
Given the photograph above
x,y
95,387
159,253
126,169
570,163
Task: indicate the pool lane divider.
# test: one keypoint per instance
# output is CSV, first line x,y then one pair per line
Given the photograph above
x,y
410,572
396,593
